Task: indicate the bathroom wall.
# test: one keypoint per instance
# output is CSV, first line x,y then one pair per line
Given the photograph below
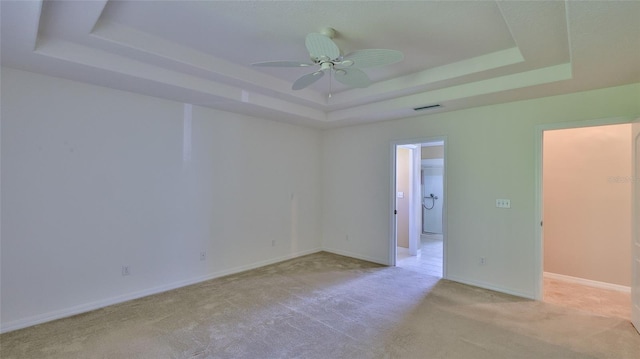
x,y
429,152
432,182
432,214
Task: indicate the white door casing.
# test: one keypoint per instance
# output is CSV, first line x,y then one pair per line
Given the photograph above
x,y
635,276
415,203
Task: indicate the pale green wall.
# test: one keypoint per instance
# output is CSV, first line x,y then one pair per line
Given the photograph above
x,y
490,154
95,178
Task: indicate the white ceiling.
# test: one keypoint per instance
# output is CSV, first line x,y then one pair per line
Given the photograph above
x,y
457,54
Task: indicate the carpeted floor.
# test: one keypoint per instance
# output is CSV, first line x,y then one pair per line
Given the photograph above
x,y
328,306
607,302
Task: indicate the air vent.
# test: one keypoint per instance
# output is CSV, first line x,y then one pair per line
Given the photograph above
x,y
426,107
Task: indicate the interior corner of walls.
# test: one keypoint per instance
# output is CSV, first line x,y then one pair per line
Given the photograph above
x,y
493,287
341,252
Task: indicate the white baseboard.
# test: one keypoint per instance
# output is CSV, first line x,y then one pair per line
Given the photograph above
x,y
83,308
587,282
356,255
495,288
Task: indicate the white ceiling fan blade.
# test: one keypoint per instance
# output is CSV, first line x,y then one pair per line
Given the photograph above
x,y
321,46
307,80
374,57
352,77
281,64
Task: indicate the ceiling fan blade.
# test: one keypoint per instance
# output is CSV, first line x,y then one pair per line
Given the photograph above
x,y
321,46
374,57
307,80
352,77
281,64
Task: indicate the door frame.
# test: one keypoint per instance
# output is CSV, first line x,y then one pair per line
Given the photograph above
x,y
414,234
392,195
539,205
635,231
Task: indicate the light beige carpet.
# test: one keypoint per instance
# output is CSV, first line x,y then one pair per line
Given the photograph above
x,y
328,306
607,302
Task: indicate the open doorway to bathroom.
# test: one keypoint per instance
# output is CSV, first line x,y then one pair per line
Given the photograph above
x,y
419,212
432,188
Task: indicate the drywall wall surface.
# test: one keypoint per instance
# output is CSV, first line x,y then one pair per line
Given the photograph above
x,y
429,152
587,203
94,179
403,189
490,155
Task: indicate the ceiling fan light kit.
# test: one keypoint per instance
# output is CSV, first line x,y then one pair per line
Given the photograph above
x,y
345,69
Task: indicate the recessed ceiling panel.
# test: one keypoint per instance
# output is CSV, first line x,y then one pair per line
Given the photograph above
x,y
429,33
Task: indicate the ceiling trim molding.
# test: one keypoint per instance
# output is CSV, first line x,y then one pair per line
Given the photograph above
x,y
82,55
418,81
406,104
137,43
543,48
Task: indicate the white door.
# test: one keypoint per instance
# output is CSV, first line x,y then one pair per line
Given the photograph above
x,y
635,277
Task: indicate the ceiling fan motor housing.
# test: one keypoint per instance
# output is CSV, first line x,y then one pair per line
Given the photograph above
x,y
328,32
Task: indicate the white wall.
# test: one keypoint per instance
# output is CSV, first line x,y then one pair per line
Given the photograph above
x,y
587,203
357,177
94,178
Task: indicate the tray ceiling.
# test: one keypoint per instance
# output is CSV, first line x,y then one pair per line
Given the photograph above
x,y
457,54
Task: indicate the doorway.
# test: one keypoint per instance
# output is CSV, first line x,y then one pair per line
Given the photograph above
x,y
418,237
432,186
586,213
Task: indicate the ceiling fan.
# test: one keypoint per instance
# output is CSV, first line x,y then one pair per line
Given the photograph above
x,y
346,69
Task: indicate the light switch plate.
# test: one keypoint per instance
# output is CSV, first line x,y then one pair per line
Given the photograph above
x,y
400,194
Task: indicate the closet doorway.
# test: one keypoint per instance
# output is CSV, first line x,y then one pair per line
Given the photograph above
x,y
587,218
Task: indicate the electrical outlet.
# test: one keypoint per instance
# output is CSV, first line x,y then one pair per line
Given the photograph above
x,y
203,255
273,243
125,271
503,203
346,238
483,261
